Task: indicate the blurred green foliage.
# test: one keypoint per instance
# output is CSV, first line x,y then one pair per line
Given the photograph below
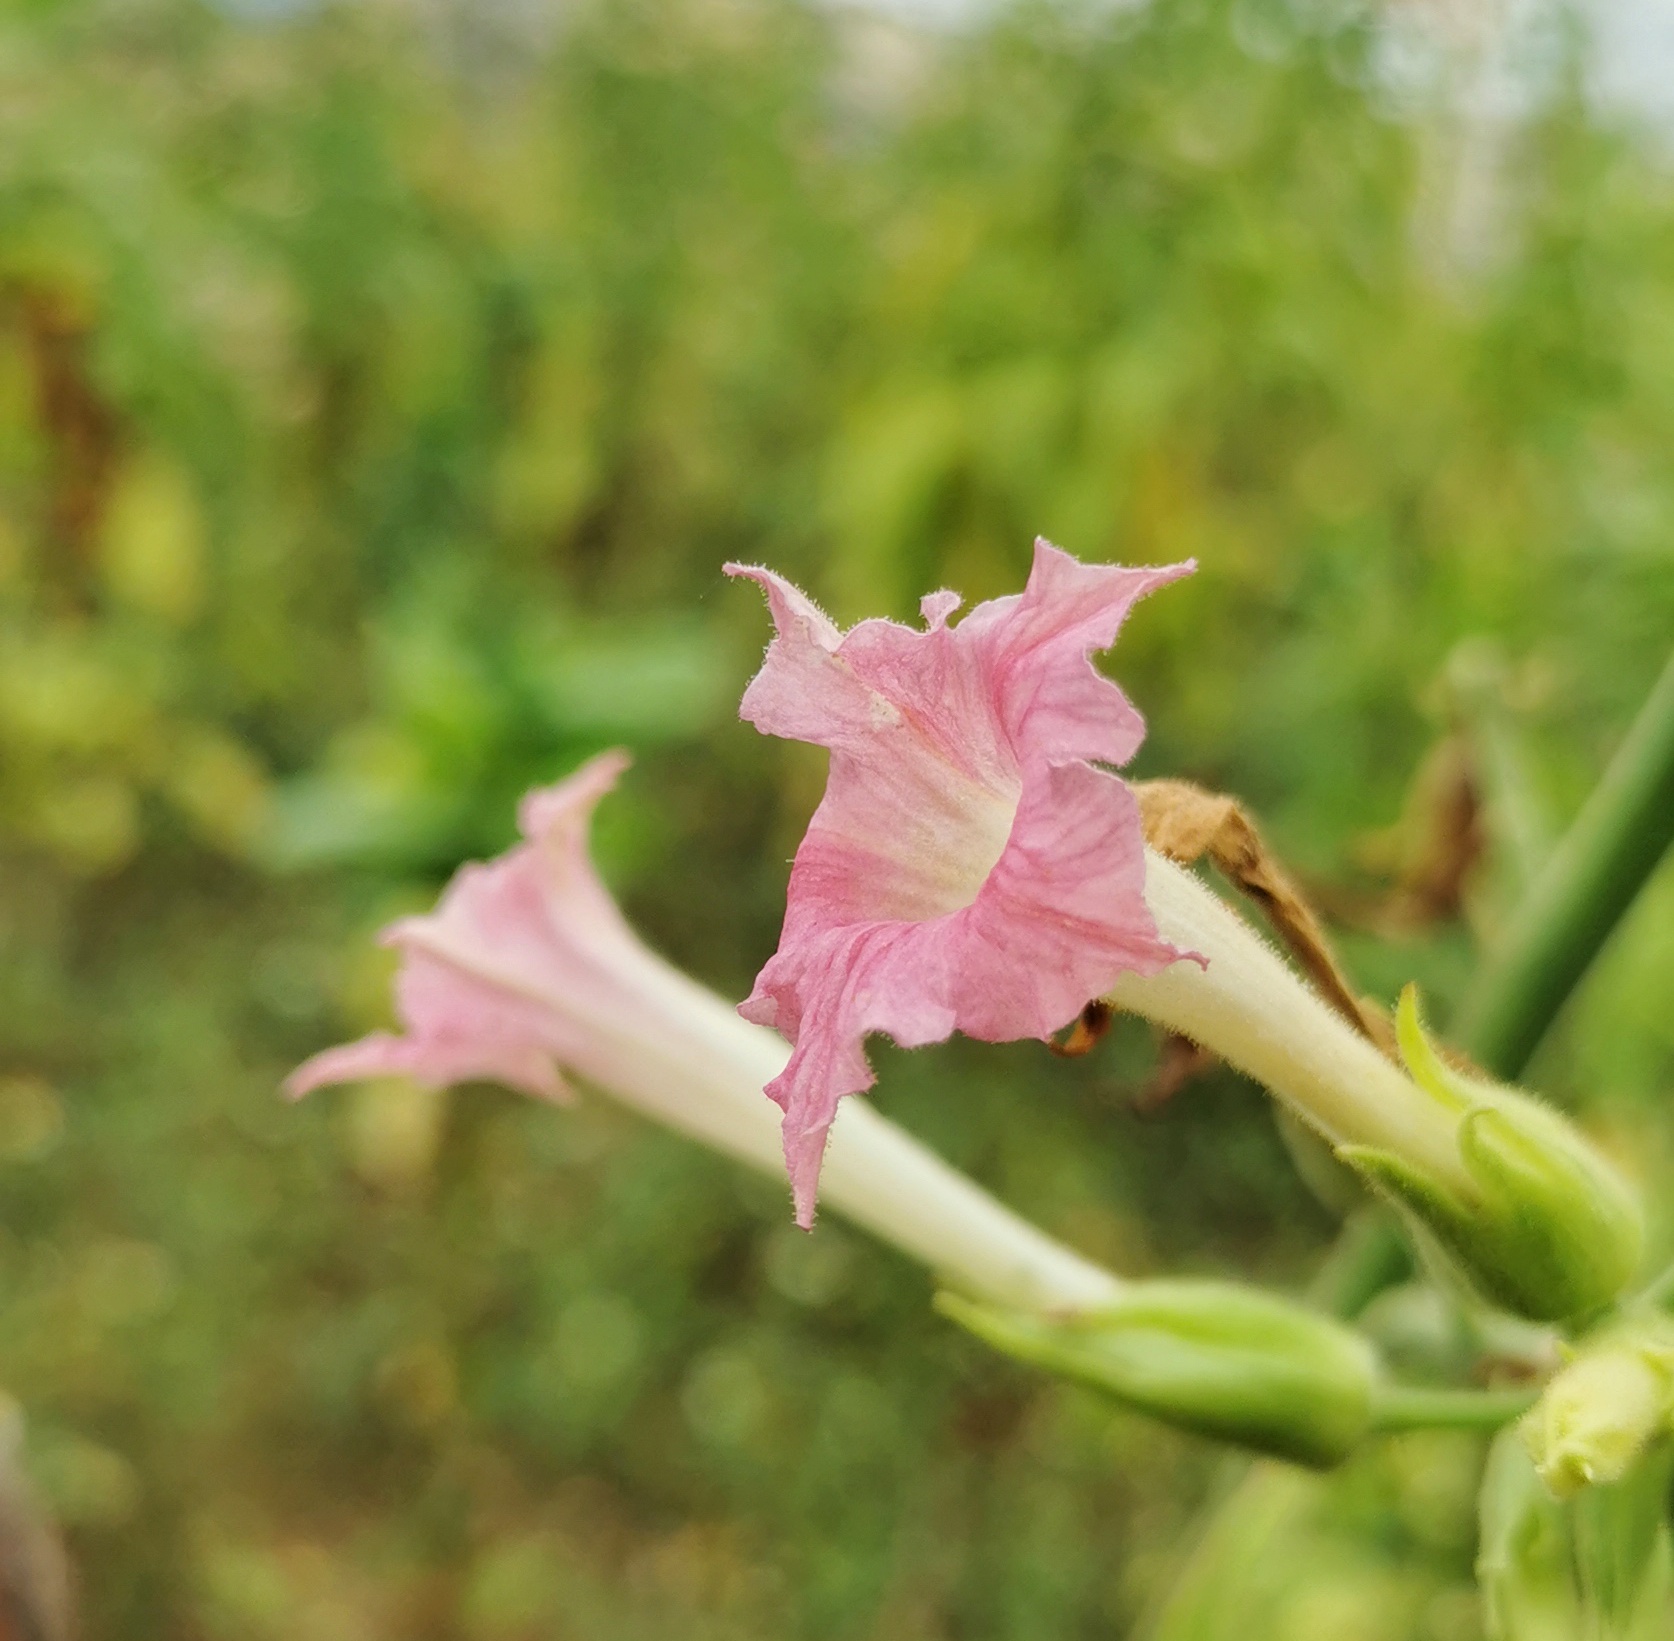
x,y
380,392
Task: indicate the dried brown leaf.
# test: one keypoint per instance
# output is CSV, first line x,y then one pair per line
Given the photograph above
x,y
1434,847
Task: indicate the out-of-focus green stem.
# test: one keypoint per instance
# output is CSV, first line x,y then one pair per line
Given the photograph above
x,y
1234,1574
1580,894
1426,1407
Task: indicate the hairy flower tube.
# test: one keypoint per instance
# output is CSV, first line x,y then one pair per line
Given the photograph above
x,y
973,866
527,970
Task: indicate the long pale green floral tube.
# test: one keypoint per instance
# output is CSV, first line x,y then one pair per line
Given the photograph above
x,y
707,1083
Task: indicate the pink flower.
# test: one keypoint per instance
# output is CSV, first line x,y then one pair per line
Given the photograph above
x,y
969,867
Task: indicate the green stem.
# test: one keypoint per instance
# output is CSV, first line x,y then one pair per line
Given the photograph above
x,y
1423,1407
1580,895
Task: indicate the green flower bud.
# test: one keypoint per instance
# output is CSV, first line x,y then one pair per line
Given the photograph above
x,y
1213,1357
1605,1408
1546,1228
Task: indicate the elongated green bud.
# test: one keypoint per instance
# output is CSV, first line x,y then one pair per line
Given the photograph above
x,y
1223,1360
1604,1408
1544,1225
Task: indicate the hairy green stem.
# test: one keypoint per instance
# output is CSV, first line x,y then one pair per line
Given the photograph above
x,y
1581,893
1249,1007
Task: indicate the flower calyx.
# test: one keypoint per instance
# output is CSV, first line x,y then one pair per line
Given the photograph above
x,y
1544,1226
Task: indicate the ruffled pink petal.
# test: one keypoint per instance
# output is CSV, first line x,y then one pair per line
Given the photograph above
x,y
433,1061
842,986
968,868
558,817
1045,687
803,692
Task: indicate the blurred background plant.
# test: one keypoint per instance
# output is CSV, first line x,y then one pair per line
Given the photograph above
x,y
381,388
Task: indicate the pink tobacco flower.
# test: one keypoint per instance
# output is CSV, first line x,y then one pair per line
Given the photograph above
x,y
970,866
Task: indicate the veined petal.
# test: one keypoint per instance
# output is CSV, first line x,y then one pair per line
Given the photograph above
x,y
1048,691
803,692
1062,913
968,868
937,607
437,1059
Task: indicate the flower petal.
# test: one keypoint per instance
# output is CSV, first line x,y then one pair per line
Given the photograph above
x,y
937,607
1047,690
1062,914
803,692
